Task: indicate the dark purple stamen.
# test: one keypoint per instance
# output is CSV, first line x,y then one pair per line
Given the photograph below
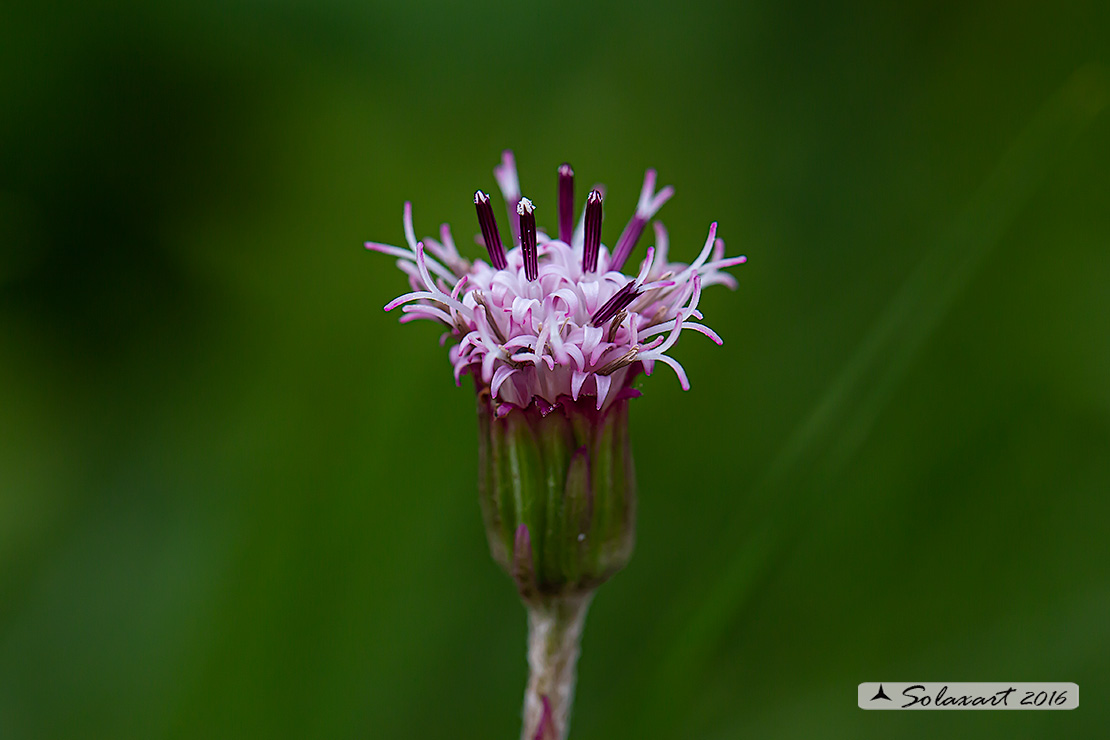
x,y
620,301
627,241
592,241
489,231
527,214
566,203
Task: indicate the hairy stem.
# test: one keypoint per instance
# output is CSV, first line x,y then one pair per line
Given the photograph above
x,y
554,634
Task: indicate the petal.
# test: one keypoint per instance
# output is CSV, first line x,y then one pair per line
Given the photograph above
x,y
410,233
591,337
682,380
500,375
603,384
577,378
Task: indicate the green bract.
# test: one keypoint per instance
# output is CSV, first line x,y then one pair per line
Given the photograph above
x,y
558,494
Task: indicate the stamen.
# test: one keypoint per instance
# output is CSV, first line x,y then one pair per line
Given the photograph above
x,y
649,205
627,241
615,324
480,299
592,241
623,361
527,213
620,300
489,231
566,203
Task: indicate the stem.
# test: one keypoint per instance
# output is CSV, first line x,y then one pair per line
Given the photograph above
x,y
554,633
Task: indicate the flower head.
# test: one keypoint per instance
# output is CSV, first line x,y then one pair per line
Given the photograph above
x,y
554,331
554,319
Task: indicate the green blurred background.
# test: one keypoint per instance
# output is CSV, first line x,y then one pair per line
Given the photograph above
x,y
237,500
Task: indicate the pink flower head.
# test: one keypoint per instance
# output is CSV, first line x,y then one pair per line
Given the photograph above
x,y
555,318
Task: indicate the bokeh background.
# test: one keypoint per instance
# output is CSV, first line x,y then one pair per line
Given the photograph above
x,y
237,500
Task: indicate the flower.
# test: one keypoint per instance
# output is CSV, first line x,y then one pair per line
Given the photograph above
x,y
554,333
554,318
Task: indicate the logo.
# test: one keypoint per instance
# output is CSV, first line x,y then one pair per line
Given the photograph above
x,y
966,695
881,694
